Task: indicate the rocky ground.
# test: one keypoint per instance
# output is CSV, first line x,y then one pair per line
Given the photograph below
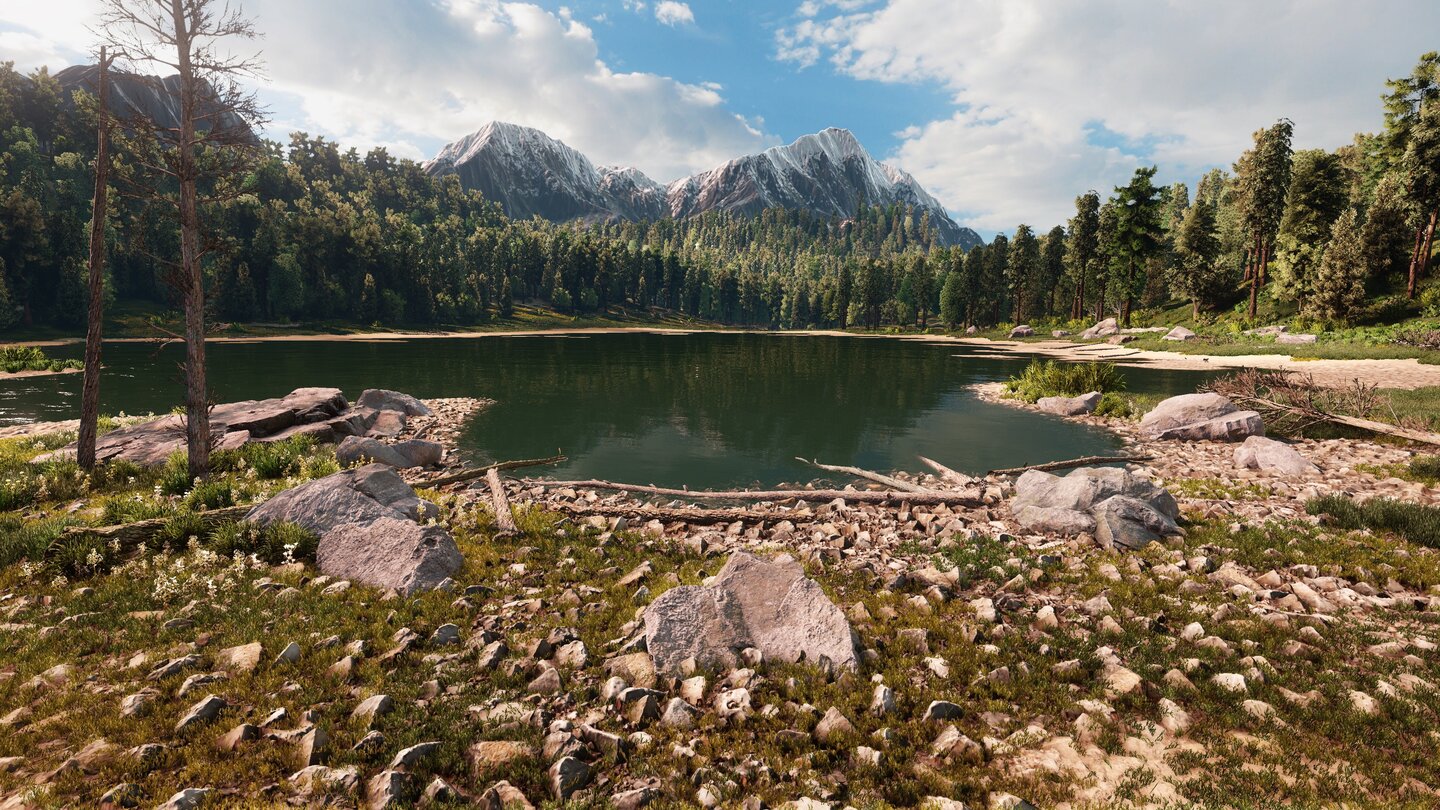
x,y
1254,658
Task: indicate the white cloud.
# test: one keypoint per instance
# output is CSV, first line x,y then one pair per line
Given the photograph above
x,y
414,75
1051,99
673,13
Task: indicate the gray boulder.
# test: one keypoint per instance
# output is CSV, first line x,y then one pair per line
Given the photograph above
x,y
771,606
1179,333
1052,520
1285,337
402,455
366,521
1070,505
1186,409
1230,427
1022,331
382,400
1130,523
1268,455
1104,328
1070,406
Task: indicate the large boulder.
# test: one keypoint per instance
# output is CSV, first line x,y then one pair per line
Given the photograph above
x,y
769,605
366,519
1179,333
1268,455
1130,523
1070,406
382,400
402,455
1022,330
1072,504
1186,409
1230,427
1053,520
1104,328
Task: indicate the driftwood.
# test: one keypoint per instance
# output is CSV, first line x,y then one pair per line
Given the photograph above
x,y
1294,402
481,472
883,480
504,519
947,474
672,514
131,535
1074,462
891,497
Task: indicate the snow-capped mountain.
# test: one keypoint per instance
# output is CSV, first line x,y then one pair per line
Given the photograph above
x,y
531,174
830,173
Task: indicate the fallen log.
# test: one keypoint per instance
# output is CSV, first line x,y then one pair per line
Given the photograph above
x,y
947,474
480,472
1086,461
671,514
891,497
132,535
883,480
504,519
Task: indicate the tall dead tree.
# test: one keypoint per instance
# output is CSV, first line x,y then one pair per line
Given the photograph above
x,y
90,391
195,161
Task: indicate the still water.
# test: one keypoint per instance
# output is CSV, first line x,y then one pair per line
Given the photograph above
x,y
703,410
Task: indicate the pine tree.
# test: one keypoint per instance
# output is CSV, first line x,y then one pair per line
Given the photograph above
x,y
1340,280
1197,272
1084,246
952,299
1387,230
1021,269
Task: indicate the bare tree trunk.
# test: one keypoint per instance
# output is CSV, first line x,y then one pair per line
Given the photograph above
x,y
90,392
197,407
1422,262
1412,281
1253,273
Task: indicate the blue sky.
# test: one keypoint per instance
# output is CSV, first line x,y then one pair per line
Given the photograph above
x,y
1003,109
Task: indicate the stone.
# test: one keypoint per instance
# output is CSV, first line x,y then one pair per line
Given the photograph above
x,y
289,655
489,756
1022,330
546,683
678,714
1129,523
311,747
201,713
408,758
316,778
240,660
1186,409
438,791
125,794
361,450
387,789
567,776
942,710
1104,328
769,605
1054,521
1227,428
1287,337
1230,681
245,732
1179,333
1069,406
882,702
637,669
1269,455
371,708
380,399
365,519
187,799
833,726
503,796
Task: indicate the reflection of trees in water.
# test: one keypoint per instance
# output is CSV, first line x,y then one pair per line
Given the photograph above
x,y
751,393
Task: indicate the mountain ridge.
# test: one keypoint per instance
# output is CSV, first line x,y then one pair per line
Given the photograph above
x,y
829,173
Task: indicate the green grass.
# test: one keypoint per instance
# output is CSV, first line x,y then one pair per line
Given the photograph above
x,y
1416,523
14,359
1048,378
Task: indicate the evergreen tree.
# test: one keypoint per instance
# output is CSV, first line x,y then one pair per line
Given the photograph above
x,y
1317,195
1340,280
1198,273
1052,269
1386,231
1021,269
1084,248
952,299
1263,175
1136,237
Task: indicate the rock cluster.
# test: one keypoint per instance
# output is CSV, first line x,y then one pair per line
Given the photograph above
x,y
1117,507
322,413
768,606
366,519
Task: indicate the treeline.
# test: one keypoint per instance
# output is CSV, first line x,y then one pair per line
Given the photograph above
x,y
322,233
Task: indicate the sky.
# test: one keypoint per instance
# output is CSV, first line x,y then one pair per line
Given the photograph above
x,y
1003,109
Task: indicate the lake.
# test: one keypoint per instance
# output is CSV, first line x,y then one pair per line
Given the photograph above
x,y
703,410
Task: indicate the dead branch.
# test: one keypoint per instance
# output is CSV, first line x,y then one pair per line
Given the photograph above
x,y
947,474
132,535
1086,461
471,475
890,497
883,480
504,519
1291,402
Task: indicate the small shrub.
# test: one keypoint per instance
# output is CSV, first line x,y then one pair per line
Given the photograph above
x,y
1047,378
1413,522
14,359
211,495
174,477
271,460
1114,405
275,544
1425,468
26,541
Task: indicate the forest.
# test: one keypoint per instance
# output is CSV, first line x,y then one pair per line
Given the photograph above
x,y
317,233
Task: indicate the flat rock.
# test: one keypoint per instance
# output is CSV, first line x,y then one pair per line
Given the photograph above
x,y
1286,337
771,606
1186,409
1179,333
1130,523
1231,427
1269,455
1070,406
401,455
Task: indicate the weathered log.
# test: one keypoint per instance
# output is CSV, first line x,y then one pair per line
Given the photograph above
x,y
480,472
672,514
947,474
504,519
883,480
891,497
132,535
1086,461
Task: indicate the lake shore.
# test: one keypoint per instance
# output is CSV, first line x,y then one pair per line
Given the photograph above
x,y
1386,373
